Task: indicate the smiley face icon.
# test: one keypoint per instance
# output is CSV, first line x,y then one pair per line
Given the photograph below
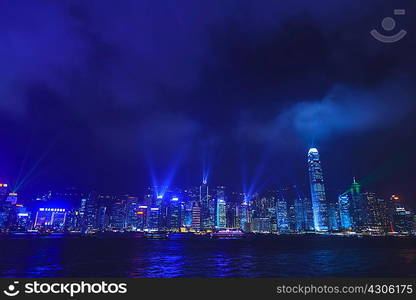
x,y
388,25
11,290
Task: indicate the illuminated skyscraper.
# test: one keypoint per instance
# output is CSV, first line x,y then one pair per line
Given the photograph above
x,y
402,220
51,218
4,191
244,215
220,209
299,214
345,211
12,198
282,213
118,215
88,211
196,216
334,218
153,219
261,225
132,204
206,208
358,208
174,213
376,217
142,217
319,202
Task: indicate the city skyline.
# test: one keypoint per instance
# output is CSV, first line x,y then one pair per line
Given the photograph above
x,y
208,139
206,180
212,208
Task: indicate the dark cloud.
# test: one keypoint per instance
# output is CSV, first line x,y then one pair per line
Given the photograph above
x,y
207,85
344,109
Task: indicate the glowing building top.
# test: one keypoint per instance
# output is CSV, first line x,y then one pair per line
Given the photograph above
x,y
313,150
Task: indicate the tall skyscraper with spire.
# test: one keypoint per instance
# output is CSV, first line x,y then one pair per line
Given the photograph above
x,y
319,202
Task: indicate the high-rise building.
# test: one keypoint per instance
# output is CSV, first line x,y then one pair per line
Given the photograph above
x,y
206,207
344,205
261,225
132,204
12,198
232,217
220,209
72,220
309,220
334,217
118,215
358,213
175,213
50,218
4,191
282,214
221,214
6,208
395,202
402,220
153,218
196,216
89,209
187,217
376,212
102,217
319,201
142,217
300,212
244,216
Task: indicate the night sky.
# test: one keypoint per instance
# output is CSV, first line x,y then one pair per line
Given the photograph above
x,y
118,95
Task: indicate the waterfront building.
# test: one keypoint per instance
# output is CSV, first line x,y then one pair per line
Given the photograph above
x,y
174,213
89,207
153,219
376,212
142,217
220,209
358,212
50,219
207,215
261,225
244,216
102,218
334,218
317,187
282,213
118,215
132,204
196,216
344,205
300,211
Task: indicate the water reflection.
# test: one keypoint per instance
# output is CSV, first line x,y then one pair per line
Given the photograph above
x,y
184,256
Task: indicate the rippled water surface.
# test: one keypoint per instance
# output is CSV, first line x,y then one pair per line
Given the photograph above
x,y
188,256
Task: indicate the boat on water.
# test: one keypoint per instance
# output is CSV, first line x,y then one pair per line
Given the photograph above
x,y
229,233
157,235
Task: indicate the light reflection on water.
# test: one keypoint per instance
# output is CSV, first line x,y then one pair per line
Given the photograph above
x,y
184,256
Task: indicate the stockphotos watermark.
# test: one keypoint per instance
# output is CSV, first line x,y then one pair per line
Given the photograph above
x,y
71,289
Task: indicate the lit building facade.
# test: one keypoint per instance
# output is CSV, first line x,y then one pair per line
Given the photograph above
x,y
220,209
317,187
282,214
344,205
50,218
196,216
358,213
